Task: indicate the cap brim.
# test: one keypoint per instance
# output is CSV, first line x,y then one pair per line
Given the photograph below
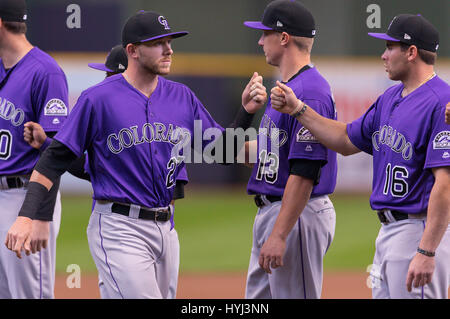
x,y
99,66
383,36
173,35
256,25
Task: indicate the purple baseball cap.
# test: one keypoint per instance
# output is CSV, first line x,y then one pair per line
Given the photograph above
x,y
412,30
287,16
147,26
116,61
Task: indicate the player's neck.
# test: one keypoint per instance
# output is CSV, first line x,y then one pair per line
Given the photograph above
x,y
291,64
416,78
13,48
143,82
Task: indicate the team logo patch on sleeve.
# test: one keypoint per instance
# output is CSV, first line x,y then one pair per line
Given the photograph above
x,y
55,107
442,141
305,136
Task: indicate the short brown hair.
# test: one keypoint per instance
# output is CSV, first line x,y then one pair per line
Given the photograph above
x,y
15,27
303,44
427,56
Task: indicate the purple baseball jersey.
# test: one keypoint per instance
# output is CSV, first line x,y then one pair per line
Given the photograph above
x,y
35,89
406,137
271,172
129,138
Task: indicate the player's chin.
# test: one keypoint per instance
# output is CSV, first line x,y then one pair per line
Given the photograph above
x,y
164,70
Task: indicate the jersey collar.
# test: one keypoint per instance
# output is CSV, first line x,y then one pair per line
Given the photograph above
x,y
303,69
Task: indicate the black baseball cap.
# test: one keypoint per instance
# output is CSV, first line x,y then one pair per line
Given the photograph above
x,y
146,26
286,16
413,30
13,10
116,61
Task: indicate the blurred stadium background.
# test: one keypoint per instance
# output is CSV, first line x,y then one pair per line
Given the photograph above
x,y
216,60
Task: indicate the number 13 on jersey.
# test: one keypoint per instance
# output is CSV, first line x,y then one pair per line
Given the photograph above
x,y
268,167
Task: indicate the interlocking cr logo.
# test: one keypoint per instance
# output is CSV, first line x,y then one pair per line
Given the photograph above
x,y
164,22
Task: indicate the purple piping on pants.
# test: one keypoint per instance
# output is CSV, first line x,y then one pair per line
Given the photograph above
x,y
104,251
423,222
301,256
41,293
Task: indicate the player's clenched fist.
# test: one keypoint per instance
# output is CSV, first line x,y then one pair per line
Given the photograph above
x,y
283,99
254,96
447,113
34,134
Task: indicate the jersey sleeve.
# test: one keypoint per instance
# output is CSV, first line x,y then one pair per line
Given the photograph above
x,y
303,145
438,150
80,128
210,128
182,175
361,130
50,101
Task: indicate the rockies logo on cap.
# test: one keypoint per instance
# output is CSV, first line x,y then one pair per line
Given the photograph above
x,y
147,26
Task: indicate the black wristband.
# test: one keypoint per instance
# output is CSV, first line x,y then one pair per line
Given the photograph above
x,y
425,252
243,119
36,193
178,192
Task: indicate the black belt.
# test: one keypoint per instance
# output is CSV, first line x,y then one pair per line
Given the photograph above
x,y
260,202
395,214
13,182
162,215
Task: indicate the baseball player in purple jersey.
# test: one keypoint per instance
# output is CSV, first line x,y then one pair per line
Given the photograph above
x,y
32,88
129,125
405,133
295,222
117,62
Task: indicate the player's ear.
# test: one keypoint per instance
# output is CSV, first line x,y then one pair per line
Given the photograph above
x,y
285,37
132,50
412,52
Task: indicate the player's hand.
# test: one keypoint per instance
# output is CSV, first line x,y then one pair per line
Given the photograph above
x,y
254,96
18,236
40,232
283,99
272,252
420,271
34,134
447,113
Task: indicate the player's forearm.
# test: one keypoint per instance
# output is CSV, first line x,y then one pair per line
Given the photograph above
x,y
41,179
233,140
247,154
296,195
438,215
332,134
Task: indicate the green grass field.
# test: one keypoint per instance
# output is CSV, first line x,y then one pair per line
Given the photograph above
x,y
215,230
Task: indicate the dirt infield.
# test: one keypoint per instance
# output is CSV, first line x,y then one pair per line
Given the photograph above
x,y
339,285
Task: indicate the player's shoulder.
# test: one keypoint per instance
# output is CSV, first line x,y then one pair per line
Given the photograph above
x,y
43,63
173,86
439,91
103,88
312,87
392,90
311,84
